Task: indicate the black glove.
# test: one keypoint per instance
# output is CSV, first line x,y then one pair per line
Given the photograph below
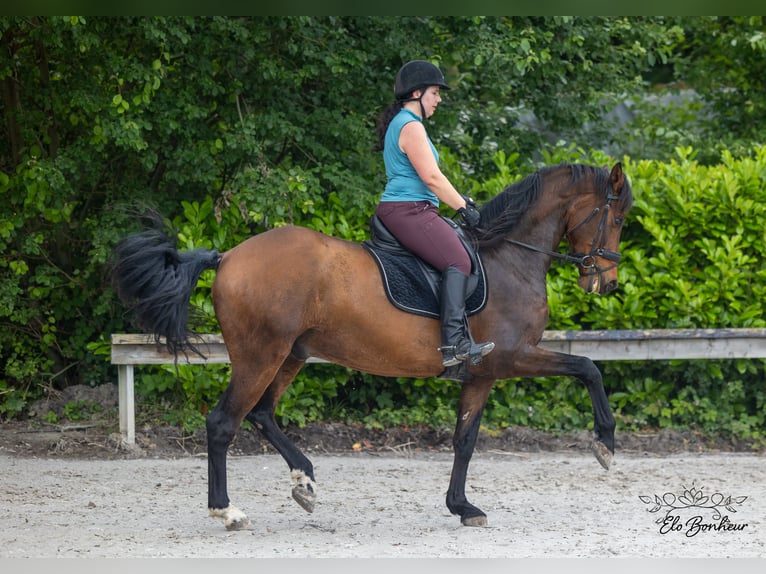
x,y
469,213
468,200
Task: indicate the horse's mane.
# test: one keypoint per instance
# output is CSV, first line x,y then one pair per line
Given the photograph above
x,y
503,212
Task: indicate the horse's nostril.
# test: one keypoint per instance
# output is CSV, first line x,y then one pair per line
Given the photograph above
x,y
610,286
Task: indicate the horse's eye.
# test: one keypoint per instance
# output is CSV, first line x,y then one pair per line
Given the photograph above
x,y
618,221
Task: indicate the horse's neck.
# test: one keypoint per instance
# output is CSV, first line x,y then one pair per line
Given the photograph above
x,y
543,226
517,274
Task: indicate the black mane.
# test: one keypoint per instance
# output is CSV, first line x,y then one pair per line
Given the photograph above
x,y
504,211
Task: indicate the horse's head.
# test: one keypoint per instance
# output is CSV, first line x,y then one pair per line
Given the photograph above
x,y
593,226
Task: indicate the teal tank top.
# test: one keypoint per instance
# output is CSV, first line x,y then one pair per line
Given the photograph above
x,y
402,181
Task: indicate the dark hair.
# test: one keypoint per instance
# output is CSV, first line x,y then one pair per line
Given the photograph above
x,y
384,119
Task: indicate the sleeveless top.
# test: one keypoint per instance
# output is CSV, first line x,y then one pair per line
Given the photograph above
x,y
403,182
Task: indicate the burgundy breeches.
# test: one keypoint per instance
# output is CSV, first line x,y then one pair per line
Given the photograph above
x,y
419,227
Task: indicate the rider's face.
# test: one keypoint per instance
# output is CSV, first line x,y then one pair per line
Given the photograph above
x,y
431,99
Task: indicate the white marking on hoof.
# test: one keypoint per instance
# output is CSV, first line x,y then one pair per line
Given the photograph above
x,y
304,490
233,517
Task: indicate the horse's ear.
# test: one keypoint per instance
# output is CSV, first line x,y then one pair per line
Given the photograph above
x,y
617,178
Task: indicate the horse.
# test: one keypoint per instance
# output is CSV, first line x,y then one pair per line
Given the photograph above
x,y
291,293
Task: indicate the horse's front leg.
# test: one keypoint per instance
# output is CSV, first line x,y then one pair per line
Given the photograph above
x,y
539,362
603,419
473,396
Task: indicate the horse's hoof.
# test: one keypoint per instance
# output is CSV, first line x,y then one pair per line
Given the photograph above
x,y
480,520
238,524
233,518
305,498
602,453
304,490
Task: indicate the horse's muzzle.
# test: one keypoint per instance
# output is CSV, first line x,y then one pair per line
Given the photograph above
x,y
597,283
609,286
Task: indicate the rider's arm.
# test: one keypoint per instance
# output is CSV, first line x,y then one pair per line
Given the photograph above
x,y
414,143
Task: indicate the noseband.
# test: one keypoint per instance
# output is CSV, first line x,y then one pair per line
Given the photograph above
x,y
586,261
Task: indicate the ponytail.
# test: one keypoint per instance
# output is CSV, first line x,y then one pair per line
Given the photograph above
x,y
383,120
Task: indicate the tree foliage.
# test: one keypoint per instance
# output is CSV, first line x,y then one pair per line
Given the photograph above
x,y
709,94
724,60
233,125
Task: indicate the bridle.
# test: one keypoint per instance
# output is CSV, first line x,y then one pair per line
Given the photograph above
x,y
586,261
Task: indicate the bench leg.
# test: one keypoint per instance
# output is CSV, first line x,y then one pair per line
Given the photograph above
x,y
127,406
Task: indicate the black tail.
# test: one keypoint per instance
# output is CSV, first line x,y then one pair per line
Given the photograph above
x,y
155,281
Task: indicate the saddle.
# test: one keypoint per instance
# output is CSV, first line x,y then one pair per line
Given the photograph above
x,y
413,285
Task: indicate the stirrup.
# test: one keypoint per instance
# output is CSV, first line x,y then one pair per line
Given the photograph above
x,y
476,352
450,356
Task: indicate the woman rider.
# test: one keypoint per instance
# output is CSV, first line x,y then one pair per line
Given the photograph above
x,y
409,206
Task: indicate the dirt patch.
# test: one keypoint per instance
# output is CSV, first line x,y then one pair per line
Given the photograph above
x,y
72,488
81,422
539,505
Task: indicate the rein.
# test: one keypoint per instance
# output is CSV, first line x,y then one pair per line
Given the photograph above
x,y
585,260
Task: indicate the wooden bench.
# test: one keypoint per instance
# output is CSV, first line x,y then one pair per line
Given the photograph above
x,y
129,350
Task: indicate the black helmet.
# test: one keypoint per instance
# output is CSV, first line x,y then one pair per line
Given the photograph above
x,y
415,75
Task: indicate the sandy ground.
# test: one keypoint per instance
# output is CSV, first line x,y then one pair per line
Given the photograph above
x,y
372,505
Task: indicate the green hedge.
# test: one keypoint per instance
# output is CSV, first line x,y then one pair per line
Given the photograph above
x,y
693,256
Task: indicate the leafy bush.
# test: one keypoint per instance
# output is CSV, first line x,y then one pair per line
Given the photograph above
x,y
693,257
693,252
188,115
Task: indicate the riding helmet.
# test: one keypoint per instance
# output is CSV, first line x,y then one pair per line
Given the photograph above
x,y
416,75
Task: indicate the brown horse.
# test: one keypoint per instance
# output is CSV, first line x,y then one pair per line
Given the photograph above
x,y
292,293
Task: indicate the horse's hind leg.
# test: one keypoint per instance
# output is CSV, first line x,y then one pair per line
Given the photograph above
x,y
262,416
245,389
221,426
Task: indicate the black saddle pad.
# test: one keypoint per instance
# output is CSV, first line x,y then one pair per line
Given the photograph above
x,y
413,286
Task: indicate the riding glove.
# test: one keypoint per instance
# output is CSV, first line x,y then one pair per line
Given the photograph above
x,y
469,213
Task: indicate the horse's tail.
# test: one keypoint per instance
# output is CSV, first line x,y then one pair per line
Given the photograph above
x,y
155,281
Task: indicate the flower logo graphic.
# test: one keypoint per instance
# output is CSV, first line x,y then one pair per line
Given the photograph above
x,y
692,498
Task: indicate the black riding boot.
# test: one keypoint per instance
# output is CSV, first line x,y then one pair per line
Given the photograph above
x,y
457,343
